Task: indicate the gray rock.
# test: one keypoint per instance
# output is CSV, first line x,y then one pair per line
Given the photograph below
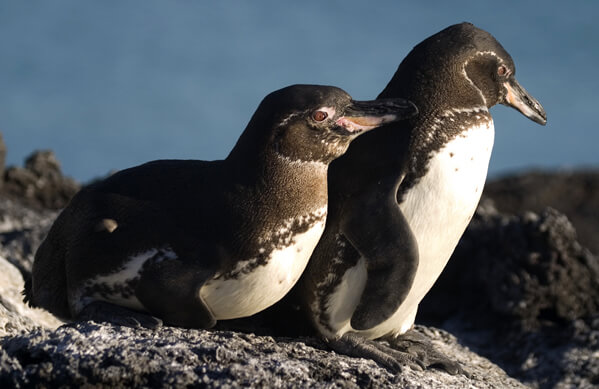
x,y
530,268
558,356
22,230
103,355
574,193
40,184
523,280
519,290
15,316
2,158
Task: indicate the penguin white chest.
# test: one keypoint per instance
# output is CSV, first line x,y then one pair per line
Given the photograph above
x,y
255,290
438,209
440,206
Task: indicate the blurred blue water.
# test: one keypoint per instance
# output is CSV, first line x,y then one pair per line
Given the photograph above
x,y
111,84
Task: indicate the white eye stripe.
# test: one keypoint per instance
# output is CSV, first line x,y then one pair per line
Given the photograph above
x,y
480,53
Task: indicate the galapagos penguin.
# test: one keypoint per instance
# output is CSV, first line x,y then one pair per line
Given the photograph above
x,y
415,186
189,242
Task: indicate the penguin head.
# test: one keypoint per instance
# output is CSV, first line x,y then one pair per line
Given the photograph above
x,y
317,123
466,66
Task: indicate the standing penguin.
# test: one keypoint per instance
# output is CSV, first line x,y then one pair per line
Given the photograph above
x,y
192,242
415,186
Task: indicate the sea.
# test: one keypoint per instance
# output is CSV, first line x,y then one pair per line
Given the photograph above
x,y
111,84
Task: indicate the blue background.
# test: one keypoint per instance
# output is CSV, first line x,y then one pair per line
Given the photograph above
x,y
111,84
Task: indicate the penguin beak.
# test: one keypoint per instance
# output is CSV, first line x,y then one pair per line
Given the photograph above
x,y
517,97
362,116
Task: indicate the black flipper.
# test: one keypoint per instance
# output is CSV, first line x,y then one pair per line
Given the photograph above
x,y
170,289
381,234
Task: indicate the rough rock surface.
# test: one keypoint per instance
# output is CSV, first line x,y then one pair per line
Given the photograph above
x,y
520,290
40,183
103,355
526,281
574,193
22,230
2,158
530,268
16,317
33,352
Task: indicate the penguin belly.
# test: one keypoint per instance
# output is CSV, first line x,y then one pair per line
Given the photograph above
x,y
245,290
438,209
118,286
244,293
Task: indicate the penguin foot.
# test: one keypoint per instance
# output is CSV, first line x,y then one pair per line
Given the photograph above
x,y
420,347
101,311
360,347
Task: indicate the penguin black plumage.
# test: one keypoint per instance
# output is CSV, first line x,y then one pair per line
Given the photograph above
x,y
191,242
415,186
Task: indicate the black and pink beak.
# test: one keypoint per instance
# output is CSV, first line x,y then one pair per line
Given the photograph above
x,y
361,116
517,97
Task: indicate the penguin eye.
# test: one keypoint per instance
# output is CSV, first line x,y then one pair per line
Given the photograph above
x,y
502,70
319,116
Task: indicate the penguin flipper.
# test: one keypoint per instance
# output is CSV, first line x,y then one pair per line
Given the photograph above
x,y
118,227
384,238
170,290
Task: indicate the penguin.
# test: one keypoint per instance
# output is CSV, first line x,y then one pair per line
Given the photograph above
x,y
415,186
189,242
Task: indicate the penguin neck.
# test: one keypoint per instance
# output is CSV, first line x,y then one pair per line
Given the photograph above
x,y
288,183
448,106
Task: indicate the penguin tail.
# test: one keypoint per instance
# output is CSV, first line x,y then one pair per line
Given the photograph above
x,y
47,286
27,297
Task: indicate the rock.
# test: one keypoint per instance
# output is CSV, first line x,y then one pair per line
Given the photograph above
x,y
520,290
92,354
2,158
557,356
15,316
530,268
22,230
40,184
574,193
527,281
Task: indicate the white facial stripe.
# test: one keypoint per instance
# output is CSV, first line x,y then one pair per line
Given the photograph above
x,y
492,53
286,119
454,111
480,53
316,165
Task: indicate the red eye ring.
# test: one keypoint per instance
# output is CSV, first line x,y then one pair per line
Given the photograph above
x,y
319,116
502,70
